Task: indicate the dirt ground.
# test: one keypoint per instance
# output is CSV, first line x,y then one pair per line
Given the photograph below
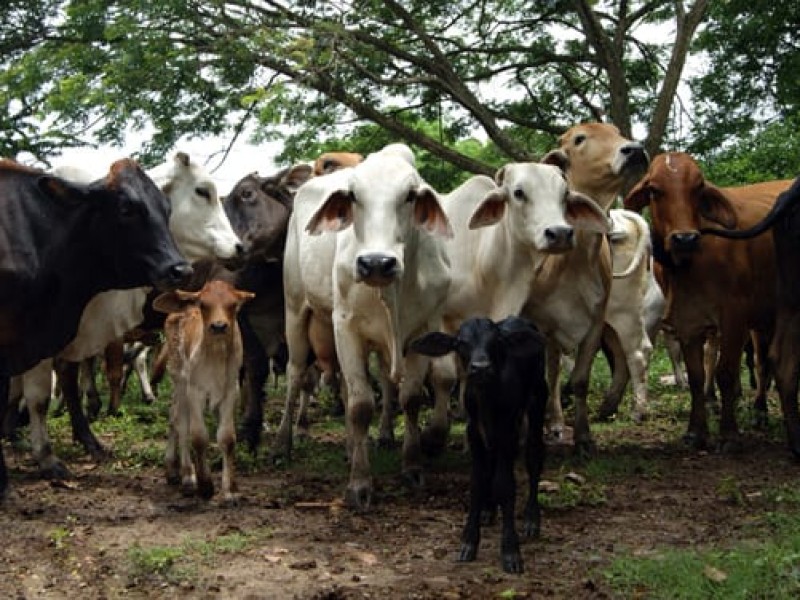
x,y
74,539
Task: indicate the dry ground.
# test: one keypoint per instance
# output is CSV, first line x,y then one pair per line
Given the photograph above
x,y
116,531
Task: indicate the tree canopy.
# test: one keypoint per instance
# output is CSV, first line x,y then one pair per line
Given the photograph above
x,y
469,83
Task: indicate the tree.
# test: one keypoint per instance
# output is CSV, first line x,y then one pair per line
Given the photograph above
x,y
751,78
505,70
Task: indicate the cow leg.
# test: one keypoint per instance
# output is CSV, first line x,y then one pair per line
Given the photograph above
x,y
584,445
198,436
5,379
786,355
81,432
555,413
388,399
173,457
416,366
37,384
620,374
140,366
505,492
763,375
535,451
358,416
159,365
635,348
88,385
299,349
115,358
711,358
673,348
729,381
443,378
226,442
256,370
479,493
693,353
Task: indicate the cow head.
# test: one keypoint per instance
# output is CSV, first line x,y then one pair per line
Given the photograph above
x,y
130,215
482,345
259,209
218,303
539,209
385,201
598,160
333,161
681,204
198,222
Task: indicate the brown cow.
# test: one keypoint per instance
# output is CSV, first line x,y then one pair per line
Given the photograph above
x,y
205,355
333,161
784,351
713,283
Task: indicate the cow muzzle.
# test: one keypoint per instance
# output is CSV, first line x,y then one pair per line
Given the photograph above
x,y
559,239
634,159
479,370
218,328
175,276
377,269
682,244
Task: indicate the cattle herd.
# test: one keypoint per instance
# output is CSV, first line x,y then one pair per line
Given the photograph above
x,y
354,272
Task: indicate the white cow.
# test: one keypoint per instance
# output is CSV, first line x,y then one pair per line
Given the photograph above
x,y
365,268
201,230
543,259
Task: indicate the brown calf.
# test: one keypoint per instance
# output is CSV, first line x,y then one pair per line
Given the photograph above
x,y
333,161
204,357
712,283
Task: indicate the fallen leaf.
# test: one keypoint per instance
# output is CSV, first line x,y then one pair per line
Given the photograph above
x,y
714,574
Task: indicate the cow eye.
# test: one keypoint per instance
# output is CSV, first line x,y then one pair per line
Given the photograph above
x,y
411,196
579,139
248,195
129,210
203,192
519,195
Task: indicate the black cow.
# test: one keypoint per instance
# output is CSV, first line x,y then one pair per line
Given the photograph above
x,y
60,244
504,365
259,209
784,218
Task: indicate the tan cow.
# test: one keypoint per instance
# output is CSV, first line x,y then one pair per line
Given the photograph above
x,y
205,355
599,162
333,161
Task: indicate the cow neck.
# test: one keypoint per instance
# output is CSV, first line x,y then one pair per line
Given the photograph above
x,y
63,276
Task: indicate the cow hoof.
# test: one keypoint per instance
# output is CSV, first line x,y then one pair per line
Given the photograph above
x,y
55,471
113,413
556,433
414,478
231,500
468,552
512,563
187,489
730,446
99,453
695,440
205,489
760,420
386,441
488,516
433,441
148,399
531,528
606,414
174,479
281,451
639,417
358,496
585,448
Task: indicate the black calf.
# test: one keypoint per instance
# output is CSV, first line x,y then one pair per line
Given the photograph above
x,y
504,367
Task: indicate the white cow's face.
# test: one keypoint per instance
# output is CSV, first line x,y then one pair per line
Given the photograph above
x,y
198,222
538,208
385,201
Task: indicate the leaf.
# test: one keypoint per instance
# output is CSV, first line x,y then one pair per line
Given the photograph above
x,y
714,574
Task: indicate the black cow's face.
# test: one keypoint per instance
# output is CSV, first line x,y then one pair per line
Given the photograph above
x,y
259,209
132,217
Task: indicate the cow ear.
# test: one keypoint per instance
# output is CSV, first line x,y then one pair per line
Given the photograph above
x,y
557,158
297,176
434,344
428,213
182,159
335,214
639,196
490,210
175,301
243,296
63,191
584,213
716,207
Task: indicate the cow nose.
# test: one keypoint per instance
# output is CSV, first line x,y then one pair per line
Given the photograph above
x,y
180,272
559,237
376,265
218,327
479,367
240,251
634,153
685,240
